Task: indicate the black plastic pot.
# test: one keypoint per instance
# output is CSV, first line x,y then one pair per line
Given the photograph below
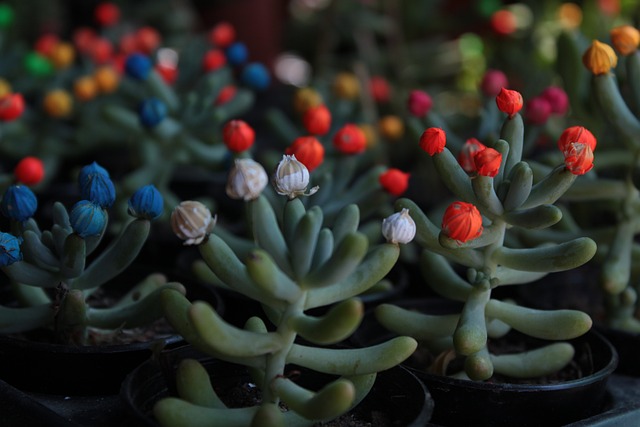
x,y
627,345
397,393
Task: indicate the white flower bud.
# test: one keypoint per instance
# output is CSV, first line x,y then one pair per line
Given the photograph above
x,y
192,222
292,178
399,227
246,180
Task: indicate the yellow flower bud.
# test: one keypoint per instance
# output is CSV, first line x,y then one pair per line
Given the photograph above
x,y
391,127
85,88
599,58
62,55
625,39
58,103
106,79
306,98
346,86
370,134
5,87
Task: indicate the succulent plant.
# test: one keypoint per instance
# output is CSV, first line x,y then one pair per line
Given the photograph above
x,y
294,266
497,195
53,273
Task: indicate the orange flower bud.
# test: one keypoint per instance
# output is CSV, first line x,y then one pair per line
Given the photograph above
x,y
85,88
394,181
462,222
509,101
306,98
570,15
58,103
106,79
599,58
391,127
487,162
62,55
576,134
350,139
5,87
346,86
625,39
238,136
433,141
370,134
578,158
465,156
317,120
308,151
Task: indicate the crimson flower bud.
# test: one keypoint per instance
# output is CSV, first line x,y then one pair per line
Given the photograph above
x,y
317,120
509,101
394,181
576,134
538,110
462,222
492,82
29,171
213,59
11,106
558,99
225,95
504,22
350,139
578,158
419,103
308,151
147,39
487,162
433,141
465,156
107,14
238,136
222,35
379,89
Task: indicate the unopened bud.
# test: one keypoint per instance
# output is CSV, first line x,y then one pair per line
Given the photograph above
x,y
292,178
399,227
246,180
192,222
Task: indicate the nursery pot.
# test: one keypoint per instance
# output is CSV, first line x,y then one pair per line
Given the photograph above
x,y
397,398
464,402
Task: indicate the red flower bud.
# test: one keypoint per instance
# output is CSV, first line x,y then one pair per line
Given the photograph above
x,y
504,22
46,43
558,99
101,50
538,110
433,141
317,120
83,39
168,73
11,106
509,101
350,139
213,59
107,14
226,94
462,222
492,82
419,103
308,151
147,39
29,171
487,162
222,35
128,44
394,181
238,136
576,134
379,89
465,156
578,158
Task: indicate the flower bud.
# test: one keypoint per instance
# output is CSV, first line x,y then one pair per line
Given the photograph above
x,y
433,141
255,76
538,110
138,66
625,39
391,127
599,58
96,186
146,203
45,44
87,219
578,158
462,222
492,82
558,99
237,53
379,89
29,171
317,120
18,203
238,136
308,150
225,95
106,79
247,179
85,88
222,35
346,86
213,59
9,249
467,152
509,101
350,139
419,103
576,134
305,98
394,181
107,14
503,22
62,55
11,106
147,39
487,162
57,103
168,72
292,178
399,227
5,88
192,222
152,112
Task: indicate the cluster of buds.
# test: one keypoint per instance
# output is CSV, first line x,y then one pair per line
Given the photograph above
x,y
293,266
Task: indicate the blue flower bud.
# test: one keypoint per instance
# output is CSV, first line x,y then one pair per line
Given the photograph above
x,y
18,203
87,219
9,249
152,111
96,186
146,203
256,76
138,66
237,53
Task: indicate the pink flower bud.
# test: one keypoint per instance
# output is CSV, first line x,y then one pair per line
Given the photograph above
x,y
419,103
